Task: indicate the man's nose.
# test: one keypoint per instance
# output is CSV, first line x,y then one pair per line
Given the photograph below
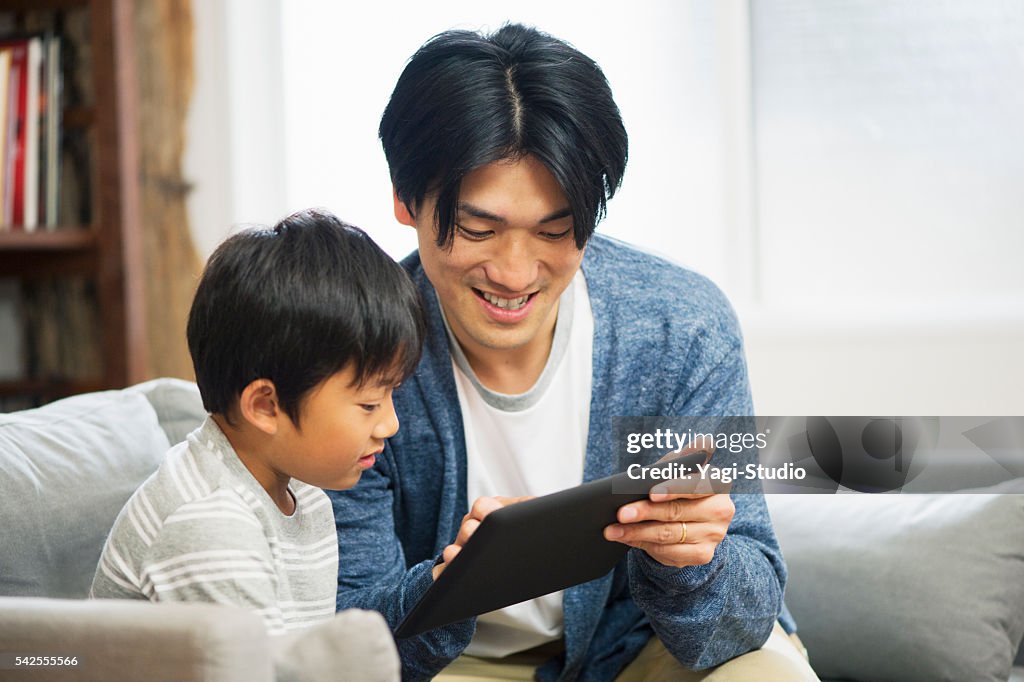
x,y
514,264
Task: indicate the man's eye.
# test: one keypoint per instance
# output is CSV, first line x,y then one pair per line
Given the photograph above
x,y
555,236
473,234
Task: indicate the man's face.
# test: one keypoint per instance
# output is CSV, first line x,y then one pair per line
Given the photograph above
x,y
512,257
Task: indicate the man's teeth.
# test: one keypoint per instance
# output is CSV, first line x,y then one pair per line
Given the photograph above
x,y
506,303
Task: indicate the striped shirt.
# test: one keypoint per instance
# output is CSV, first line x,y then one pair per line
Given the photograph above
x,y
201,528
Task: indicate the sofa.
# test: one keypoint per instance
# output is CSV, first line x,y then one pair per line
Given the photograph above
x,y
66,469
884,587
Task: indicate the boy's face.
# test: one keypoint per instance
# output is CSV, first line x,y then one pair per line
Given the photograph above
x,y
341,430
512,257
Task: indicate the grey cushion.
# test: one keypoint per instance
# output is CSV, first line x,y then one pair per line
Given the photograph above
x,y
178,406
905,587
66,469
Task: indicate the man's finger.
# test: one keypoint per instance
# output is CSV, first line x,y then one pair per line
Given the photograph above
x,y
675,554
655,533
679,508
506,501
689,450
690,488
668,510
666,496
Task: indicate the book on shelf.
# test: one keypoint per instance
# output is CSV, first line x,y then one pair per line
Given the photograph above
x,y
62,330
31,131
52,110
30,181
12,364
5,74
16,102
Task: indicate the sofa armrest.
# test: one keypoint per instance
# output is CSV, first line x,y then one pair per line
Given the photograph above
x,y
353,645
127,640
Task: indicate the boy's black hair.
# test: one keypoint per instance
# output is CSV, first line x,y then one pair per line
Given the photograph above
x,y
296,304
466,99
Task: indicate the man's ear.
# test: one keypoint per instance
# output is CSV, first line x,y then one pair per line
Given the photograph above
x,y
402,213
258,405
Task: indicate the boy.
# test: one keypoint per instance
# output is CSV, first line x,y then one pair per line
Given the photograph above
x,y
298,335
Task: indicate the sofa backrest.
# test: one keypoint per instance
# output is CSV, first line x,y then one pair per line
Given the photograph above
x,y
907,586
177,404
67,468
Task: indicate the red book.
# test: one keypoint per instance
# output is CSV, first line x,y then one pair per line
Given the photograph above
x,y
14,189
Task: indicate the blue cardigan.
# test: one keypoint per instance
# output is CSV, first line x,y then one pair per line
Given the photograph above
x,y
666,342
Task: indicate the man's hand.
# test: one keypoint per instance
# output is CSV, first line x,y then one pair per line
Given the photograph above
x,y
470,522
680,524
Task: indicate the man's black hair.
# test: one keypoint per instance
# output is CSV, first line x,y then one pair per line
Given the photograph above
x,y
296,304
466,99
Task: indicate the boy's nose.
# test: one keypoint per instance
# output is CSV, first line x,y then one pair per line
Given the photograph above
x,y
388,426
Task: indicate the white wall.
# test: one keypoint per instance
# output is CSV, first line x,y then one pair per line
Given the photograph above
x,y
236,134
341,62
890,219
783,154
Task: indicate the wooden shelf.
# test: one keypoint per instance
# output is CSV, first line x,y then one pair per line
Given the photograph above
x,y
107,253
40,264
24,5
65,251
78,117
68,238
47,389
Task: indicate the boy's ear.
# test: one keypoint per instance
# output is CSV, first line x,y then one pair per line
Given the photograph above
x,y
258,405
402,213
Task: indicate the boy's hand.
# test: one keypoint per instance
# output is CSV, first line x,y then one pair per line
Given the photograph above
x,y
470,522
446,558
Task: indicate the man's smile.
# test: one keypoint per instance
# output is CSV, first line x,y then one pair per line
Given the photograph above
x,y
505,310
514,303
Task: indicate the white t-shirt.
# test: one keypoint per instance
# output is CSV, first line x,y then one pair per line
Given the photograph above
x,y
533,443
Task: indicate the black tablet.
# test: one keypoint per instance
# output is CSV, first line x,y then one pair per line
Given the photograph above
x,y
530,549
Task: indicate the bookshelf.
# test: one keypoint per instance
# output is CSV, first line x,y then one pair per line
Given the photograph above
x,y
105,254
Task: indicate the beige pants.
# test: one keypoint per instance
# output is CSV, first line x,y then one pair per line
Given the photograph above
x,y
781,659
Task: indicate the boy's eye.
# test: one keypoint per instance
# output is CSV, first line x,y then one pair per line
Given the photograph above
x,y
475,235
369,407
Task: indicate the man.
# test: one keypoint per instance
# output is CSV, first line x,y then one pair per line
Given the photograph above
x,y
503,151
